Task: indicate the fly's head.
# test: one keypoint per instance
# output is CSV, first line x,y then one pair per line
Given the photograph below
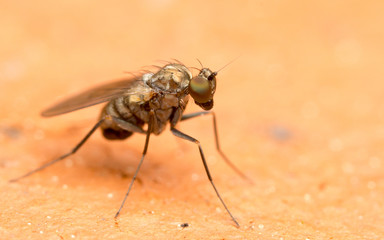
x,y
202,88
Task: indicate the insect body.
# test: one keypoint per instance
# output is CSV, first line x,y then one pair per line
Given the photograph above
x,y
153,99
163,93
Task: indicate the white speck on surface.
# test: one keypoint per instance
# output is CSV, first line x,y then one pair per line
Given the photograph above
x,y
55,178
29,224
261,226
195,177
73,236
336,145
49,217
307,197
110,195
218,210
41,232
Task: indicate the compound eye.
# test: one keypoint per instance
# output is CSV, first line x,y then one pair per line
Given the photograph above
x,y
200,89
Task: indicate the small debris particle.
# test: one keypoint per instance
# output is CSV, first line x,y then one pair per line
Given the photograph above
x,y
184,225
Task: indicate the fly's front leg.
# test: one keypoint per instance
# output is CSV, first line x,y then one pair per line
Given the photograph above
x,y
179,134
226,159
63,156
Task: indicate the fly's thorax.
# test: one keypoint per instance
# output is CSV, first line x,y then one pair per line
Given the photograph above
x,y
172,78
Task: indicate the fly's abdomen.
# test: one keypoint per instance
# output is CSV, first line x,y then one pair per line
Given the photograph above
x,y
112,133
118,109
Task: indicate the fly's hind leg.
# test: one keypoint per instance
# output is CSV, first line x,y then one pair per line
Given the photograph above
x,y
123,124
226,159
63,156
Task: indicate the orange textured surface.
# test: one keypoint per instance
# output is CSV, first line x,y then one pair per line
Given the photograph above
x,y
300,111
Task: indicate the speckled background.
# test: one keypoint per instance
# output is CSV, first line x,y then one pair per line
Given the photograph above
x,y
300,111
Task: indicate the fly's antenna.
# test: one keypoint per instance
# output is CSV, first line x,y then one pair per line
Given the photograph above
x,y
228,63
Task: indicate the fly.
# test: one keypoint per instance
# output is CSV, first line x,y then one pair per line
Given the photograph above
x,y
153,99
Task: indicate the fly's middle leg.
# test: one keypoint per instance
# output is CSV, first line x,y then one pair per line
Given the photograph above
x,y
226,159
148,133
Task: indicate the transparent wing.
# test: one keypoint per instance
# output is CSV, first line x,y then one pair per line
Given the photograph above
x,y
95,96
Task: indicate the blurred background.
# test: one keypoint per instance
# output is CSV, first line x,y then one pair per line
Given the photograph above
x,y
300,110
